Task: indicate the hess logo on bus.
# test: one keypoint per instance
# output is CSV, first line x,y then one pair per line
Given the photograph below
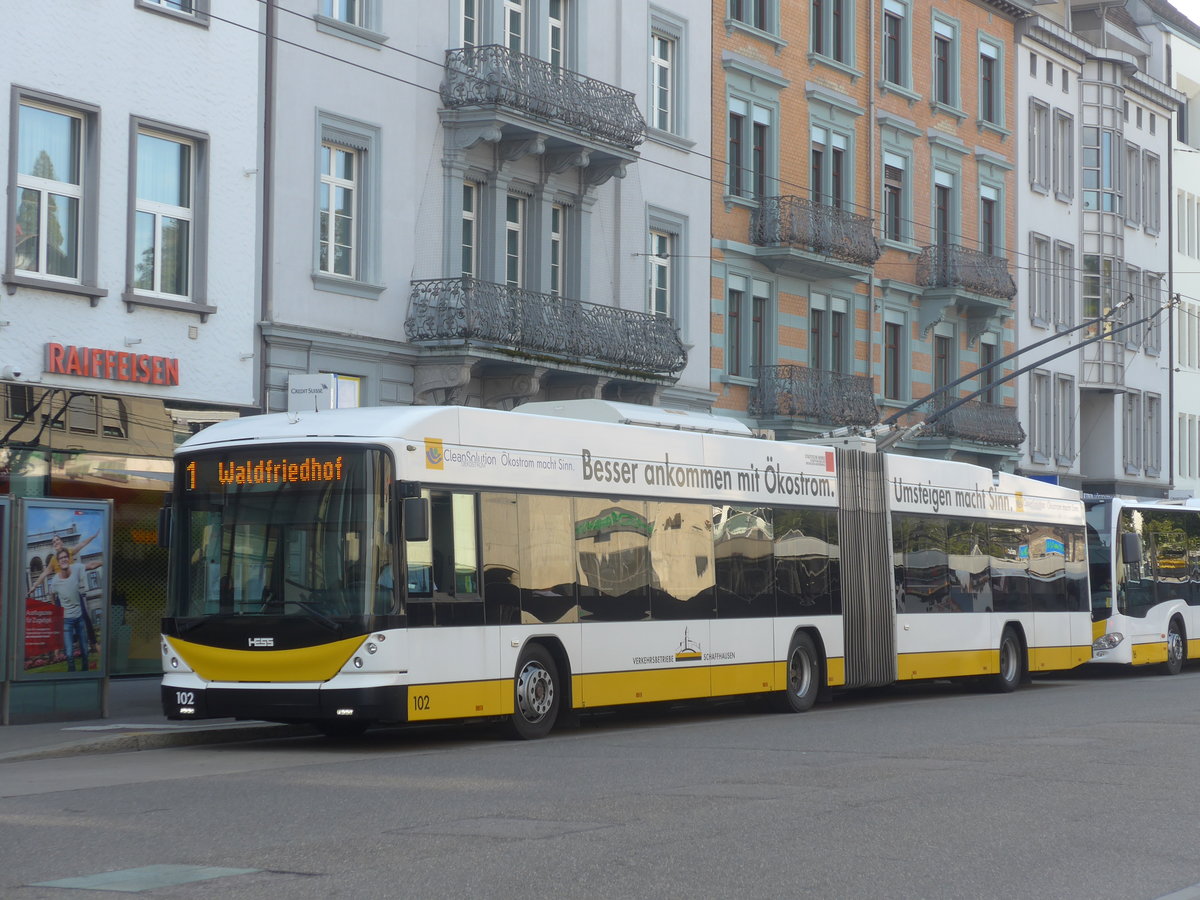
x,y
262,642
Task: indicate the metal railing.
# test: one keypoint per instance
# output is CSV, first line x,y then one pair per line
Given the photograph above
x,y
800,222
493,75
456,311
951,265
980,423
828,398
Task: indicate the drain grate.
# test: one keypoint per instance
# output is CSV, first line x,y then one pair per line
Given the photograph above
x,y
145,878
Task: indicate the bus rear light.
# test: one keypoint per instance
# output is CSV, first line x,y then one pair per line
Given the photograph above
x,y
1108,641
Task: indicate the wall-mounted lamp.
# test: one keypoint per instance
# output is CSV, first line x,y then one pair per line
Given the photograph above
x,y
245,356
129,342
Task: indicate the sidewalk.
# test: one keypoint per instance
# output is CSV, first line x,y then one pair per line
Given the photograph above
x,y
135,722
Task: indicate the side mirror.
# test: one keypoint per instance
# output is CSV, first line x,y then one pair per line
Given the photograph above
x,y
1131,548
416,519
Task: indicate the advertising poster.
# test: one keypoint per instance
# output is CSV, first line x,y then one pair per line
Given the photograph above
x,y
65,557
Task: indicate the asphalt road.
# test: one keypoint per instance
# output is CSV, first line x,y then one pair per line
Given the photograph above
x,y
1078,787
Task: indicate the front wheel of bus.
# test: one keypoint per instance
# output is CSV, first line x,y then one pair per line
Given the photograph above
x,y
1012,664
803,676
536,695
1176,649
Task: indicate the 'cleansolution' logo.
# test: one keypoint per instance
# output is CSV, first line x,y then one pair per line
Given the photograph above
x,y
433,454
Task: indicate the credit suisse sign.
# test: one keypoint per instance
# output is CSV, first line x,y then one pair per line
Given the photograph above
x,y
111,365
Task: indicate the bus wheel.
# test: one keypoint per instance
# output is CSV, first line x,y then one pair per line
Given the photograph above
x,y
1012,664
1176,649
803,676
536,695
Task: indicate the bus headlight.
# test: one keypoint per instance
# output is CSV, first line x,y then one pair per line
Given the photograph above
x,y
372,648
1108,641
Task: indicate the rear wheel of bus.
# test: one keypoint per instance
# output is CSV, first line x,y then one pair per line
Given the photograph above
x,y
1012,663
536,695
803,676
1176,648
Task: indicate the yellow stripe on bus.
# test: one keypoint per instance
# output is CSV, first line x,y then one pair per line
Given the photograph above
x,y
1099,628
1052,659
460,700
1152,652
319,663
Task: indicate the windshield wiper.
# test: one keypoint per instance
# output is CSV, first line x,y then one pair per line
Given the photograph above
x,y
318,616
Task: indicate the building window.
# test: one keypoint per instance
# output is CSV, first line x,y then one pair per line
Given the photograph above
x,y
945,208
514,241
164,217
662,69
828,169
1153,307
750,151
1101,169
1041,417
1039,145
470,229
989,223
339,214
660,272
895,202
991,89
48,237
1152,186
1153,458
1132,291
1064,155
748,303
514,25
114,419
987,377
1040,279
943,357
828,333
830,29
469,26
81,414
1064,420
1133,184
893,360
556,25
1064,285
895,43
194,11
347,390
1132,433
352,12
755,13
945,64
558,244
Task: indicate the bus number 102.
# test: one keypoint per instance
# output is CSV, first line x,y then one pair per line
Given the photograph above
x,y
420,702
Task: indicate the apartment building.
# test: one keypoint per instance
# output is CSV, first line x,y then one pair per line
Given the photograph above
x,y
864,216
491,202
1095,225
129,265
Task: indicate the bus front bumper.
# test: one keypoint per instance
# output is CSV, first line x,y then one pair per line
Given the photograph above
x,y
386,703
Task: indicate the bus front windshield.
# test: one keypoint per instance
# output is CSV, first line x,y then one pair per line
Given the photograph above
x,y
283,531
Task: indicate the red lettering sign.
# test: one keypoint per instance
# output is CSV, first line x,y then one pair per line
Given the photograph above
x,y
111,365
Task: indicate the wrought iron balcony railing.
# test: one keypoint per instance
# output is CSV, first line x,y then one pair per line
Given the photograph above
x,y
451,312
980,423
493,75
800,222
954,266
829,398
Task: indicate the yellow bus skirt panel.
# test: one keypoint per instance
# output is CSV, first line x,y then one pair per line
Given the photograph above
x,y
1152,652
319,663
643,686
1193,648
1099,628
948,664
1053,659
460,700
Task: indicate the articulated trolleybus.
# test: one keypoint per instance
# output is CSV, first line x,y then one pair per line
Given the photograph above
x,y
1144,557
349,567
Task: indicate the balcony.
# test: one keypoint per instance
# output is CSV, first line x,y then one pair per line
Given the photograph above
x,y
828,398
952,266
798,236
977,422
528,106
457,314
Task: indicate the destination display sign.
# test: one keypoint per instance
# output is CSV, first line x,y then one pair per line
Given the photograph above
x,y
277,468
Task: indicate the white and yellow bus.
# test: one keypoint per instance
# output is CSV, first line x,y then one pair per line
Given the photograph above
x,y
1144,557
403,564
